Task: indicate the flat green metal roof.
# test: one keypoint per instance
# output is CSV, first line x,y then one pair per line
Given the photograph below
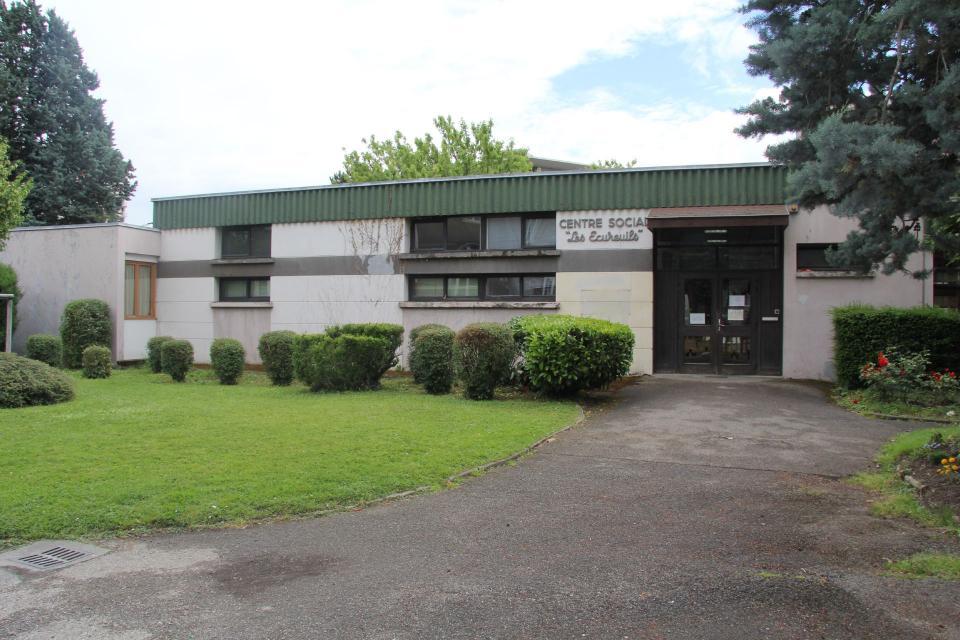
x,y
690,186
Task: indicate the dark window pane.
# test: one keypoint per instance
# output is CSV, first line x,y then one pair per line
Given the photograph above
x,y
458,287
813,257
540,232
697,350
128,290
736,301
260,241
687,258
503,287
736,350
539,286
427,288
260,289
757,257
504,233
235,242
233,289
428,236
698,302
463,233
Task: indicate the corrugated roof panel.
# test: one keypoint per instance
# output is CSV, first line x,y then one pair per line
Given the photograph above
x,y
715,185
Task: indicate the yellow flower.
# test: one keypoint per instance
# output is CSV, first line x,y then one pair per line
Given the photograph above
x,y
953,459
944,461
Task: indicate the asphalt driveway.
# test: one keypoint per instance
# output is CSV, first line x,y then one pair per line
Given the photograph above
x,y
692,508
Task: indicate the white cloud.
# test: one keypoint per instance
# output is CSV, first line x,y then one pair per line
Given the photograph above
x,y
217,96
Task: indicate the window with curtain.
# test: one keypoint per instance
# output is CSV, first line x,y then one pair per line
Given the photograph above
x,y
139,295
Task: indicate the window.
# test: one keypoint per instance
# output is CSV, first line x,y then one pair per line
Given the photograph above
x,y
494,287
245,242
244,289
139,298
813,257
477,233
946,283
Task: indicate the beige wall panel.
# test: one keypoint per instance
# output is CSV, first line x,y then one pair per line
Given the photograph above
x,y
188,244
347,238
245,325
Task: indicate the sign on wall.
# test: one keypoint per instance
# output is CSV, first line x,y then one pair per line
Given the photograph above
x,y
609,229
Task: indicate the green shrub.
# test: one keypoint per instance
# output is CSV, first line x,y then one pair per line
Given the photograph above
x,y
45,348
276,353
562,354
176,357
153,352
25,382
392,334
861,331
84,323
227,358
431,357
96,362
8,284
342,362
483,354
412,345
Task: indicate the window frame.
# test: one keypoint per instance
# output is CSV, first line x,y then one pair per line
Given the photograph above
x,y
250,231
542,215
481,288
152,315
248,297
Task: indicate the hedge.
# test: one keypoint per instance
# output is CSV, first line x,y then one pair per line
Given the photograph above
x,y
227,358
343,362
392,334
431,358
860,331
25,382
45,348
483,353
153,352
84,323
276,353
96,362
563,354
176,357
412,345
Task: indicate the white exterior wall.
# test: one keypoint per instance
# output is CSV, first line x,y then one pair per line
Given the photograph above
x,y
382,237
184,311
808,299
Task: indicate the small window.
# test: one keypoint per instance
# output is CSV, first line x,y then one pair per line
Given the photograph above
x,y
245,242
477,233
460,287
463,233
539,286
505,233
426,288
540,232
244,289
139,299
946,283
429,236
493,287
813,257
504,287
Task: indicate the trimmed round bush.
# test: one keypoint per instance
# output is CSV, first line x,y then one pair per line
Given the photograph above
x,y
176,357
392,334
343,362
96,362
25,382
412,344
562,354
227,358
45,348
276,353
431,358
84,323
483,354
153,352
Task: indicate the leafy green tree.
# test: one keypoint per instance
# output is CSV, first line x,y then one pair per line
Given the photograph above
x,y
14,188
870,91
613,163
464,149
55,126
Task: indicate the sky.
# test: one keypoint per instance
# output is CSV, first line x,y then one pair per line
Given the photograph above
x,y
216,96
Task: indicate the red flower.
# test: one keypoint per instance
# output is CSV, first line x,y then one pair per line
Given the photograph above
x,y
882,360
856,401
952,374
936,376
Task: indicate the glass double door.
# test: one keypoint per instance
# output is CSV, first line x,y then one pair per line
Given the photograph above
x,y
717,323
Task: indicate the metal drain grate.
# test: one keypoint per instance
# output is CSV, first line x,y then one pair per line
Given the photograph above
x,y
46,556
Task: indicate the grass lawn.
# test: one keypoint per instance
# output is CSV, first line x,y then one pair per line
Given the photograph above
x,y
136,451
945,566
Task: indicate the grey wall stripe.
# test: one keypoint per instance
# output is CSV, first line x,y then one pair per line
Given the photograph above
x,y
579,261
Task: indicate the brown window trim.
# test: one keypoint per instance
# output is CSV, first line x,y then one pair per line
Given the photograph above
x,y
136,289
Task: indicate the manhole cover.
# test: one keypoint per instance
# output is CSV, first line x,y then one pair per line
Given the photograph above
x,y
50,554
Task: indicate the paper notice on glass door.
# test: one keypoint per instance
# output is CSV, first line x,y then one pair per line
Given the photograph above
x,y
735,315
698,318
737,301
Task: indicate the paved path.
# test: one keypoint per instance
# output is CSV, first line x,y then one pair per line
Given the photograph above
x,y
693,508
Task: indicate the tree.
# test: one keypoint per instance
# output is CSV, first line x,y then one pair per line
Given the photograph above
x,y
871,91
613,163
14,188
464,150
55,126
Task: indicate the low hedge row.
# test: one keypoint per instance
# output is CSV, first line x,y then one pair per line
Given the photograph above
x,y
348,357
45,348
25,382
861,331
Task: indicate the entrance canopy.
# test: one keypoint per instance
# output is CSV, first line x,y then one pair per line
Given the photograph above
x,y
723,216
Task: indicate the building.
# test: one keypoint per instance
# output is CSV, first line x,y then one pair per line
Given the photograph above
x,y
709,266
